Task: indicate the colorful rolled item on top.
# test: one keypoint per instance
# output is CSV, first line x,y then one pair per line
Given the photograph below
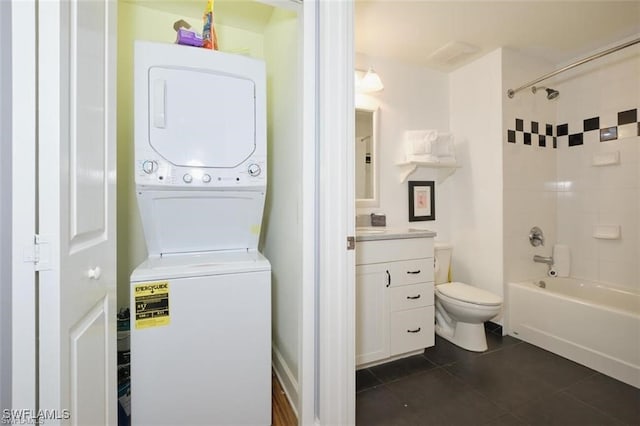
x,y
209,37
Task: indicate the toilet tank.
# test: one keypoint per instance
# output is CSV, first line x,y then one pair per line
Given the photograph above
x,y
442,253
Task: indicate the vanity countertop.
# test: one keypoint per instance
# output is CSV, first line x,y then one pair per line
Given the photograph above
x,y
373,233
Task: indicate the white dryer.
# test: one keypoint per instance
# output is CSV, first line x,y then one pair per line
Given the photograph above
x,y
201,302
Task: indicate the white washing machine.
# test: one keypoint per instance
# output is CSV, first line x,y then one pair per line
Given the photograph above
x,y
201,302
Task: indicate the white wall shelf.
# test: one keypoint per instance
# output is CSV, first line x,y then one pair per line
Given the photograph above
x,y
408,167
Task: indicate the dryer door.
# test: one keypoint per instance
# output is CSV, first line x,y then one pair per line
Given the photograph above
x,y
200,117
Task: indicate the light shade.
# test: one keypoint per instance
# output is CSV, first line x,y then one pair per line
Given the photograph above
x,y
370,82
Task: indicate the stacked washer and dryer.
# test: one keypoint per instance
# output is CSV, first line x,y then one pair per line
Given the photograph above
x,y
201,301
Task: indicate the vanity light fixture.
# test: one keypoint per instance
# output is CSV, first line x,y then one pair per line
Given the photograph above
x,y
369,82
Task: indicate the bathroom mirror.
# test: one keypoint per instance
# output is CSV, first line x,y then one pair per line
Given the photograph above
x,y
366,155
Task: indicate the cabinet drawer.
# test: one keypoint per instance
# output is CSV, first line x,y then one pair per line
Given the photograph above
x,y
411,330
411,271
379,251
410,296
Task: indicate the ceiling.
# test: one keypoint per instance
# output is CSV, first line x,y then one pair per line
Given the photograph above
x,y
444,35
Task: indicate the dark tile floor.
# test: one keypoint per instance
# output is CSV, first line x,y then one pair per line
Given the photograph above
x,y
513,383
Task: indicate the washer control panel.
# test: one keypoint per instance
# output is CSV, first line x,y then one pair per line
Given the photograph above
x,y
159,172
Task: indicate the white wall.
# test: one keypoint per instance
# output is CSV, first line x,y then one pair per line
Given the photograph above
x,y
413,98
589,195
5,204
476,214
529,170
281,239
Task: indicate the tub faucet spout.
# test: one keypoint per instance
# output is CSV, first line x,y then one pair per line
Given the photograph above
x,y
543,259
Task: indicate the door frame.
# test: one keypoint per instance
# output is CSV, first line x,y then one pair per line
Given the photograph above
x,y
307,332
5,204
336,214
23,205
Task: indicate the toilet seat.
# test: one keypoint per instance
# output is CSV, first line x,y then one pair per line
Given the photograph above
x,y
468,294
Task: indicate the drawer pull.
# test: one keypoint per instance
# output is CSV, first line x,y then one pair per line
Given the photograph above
x,y
413,297
413,272
417,330
388,278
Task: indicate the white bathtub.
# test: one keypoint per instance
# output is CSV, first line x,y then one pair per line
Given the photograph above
x,y
587,322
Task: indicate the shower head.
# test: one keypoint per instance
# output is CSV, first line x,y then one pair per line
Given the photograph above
x,y
551,93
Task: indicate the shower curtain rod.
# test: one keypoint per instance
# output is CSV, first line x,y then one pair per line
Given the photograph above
x,y
512,92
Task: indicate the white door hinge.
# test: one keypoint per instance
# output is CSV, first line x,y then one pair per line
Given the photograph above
x,y
39,254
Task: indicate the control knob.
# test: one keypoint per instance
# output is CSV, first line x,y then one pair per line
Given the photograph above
x,y
206,178
187,178
149,166
254,169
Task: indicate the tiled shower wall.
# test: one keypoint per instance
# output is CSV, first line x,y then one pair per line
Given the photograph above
x,y
598,113
551,179
529,167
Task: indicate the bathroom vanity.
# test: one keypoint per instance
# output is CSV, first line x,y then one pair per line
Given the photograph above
x,y
394,294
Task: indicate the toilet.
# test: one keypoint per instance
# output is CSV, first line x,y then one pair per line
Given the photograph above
x,y
461,309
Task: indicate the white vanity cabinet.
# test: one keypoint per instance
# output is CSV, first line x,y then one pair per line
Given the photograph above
x,y
372,313
394,297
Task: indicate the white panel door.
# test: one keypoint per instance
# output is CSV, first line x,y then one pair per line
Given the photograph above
x,y
76,198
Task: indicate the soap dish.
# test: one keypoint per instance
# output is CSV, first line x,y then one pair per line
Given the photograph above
x,y
606,232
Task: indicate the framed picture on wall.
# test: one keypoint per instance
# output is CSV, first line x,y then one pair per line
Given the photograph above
x,y
422,200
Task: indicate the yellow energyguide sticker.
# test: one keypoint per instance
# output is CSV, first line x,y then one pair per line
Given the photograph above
x,y
152,304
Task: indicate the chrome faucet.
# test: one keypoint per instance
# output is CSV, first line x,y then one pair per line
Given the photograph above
x,y
536,237
543,259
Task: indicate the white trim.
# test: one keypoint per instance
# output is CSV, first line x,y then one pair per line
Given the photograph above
x,y
23,313
52,17
308,353
387,360
5,203
372,107
286,377
336,405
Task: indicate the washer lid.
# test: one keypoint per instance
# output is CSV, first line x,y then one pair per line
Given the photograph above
x,y
469,294
200,264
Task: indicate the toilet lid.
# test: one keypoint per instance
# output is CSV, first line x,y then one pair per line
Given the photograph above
x,y
470,294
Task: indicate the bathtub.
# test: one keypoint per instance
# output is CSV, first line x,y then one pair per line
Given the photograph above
x,y
587,322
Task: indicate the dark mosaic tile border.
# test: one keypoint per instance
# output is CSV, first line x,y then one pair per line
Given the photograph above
x,y
576,139
576,136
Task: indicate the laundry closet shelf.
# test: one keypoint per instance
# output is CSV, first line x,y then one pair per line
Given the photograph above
x,y
408,167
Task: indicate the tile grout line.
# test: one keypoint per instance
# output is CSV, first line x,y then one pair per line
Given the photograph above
x,y
575,398
605,413
505,410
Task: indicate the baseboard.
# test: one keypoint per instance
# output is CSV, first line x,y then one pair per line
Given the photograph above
x,y
286,378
